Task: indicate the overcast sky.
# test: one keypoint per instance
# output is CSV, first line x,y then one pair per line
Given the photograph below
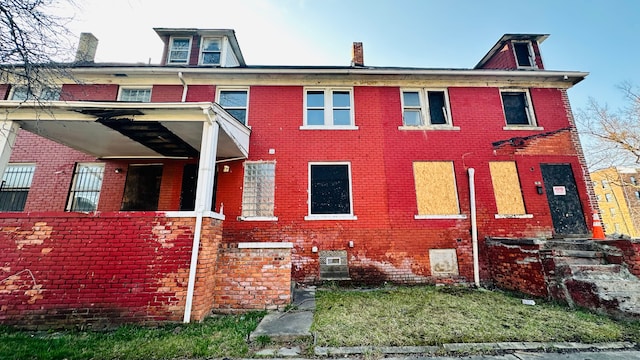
x,y
600,37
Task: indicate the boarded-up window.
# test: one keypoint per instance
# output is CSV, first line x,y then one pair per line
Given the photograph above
x,y
436,188
506,187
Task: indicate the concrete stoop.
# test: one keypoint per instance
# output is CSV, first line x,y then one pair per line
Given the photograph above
x,y
583,276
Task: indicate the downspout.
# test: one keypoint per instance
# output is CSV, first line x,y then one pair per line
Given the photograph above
x,y
201,188
184,86
474,226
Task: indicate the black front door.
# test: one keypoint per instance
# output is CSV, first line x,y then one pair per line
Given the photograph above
x,y
142,188
564,202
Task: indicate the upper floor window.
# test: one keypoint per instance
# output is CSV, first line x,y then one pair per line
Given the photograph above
x,y
210,51
236,102
633,180
22,93
135,94
608,197
328,108
85,188
426,107
179,50
517,108
16,183
524,54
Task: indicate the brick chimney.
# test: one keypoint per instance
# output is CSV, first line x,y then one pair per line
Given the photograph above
x,y
87,46
357,54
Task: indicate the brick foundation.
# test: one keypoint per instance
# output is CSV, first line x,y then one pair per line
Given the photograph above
x,y
516,265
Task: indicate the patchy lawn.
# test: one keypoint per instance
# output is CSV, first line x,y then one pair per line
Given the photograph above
x,y
413,316
216,337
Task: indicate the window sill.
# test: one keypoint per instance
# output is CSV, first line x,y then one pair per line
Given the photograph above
x,y
430,127
330,217
523,127
257,218
437,217
332,127
513,216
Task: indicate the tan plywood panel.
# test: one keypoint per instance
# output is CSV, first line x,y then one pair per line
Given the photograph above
x,y
506,187
436,188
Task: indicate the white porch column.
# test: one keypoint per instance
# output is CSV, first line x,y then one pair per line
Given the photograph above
x,y
204,194
8,132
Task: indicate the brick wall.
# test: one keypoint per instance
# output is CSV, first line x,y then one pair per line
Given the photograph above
x,y
253,276
503,59
93,270
516,265
81,92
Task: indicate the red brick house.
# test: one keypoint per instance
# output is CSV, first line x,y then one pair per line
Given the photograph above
x,y
160,192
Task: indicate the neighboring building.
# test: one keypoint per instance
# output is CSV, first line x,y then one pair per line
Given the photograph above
x,y
353,172
618,193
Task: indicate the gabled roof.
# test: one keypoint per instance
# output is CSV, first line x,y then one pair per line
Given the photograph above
x,y
229,33
509,37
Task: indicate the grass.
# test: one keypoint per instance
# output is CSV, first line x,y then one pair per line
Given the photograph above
x,y
216,337
415,316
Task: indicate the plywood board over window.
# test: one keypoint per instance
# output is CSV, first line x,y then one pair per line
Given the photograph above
x,y
436,188
506,187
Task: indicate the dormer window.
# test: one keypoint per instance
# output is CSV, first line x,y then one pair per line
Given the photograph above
x,y
210,52
524,54
179,50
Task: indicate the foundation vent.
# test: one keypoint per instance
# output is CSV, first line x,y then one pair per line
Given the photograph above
x,y
333,265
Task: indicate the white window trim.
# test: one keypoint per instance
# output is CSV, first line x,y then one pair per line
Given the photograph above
x,y
443,217
532,54
36,92
73,183
425,116
220,89
531,114
122,88
328,109
257,218
169,62
311,216
223,50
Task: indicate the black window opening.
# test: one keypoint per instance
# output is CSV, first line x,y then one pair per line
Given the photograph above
x,y
188,190
523,54
330,189
515,108
15,186
437,111
142,188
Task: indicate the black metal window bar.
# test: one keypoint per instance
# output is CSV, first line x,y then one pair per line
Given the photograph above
x,y
85,189
16,183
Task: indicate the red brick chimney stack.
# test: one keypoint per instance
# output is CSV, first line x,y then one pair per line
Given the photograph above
x,y
357,54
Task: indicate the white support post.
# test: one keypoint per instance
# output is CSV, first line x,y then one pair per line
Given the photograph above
x,y
8,132
204,194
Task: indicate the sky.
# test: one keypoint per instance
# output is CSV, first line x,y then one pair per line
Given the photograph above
x,y
599,37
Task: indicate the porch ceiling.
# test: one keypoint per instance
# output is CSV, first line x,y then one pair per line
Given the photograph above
x,y
130,130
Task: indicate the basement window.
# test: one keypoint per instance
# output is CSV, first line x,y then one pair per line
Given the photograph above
x,y
85,188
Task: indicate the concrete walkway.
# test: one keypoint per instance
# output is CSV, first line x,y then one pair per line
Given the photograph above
x,y
295,324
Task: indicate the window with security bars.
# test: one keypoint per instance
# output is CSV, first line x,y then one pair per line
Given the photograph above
x,y
259,189
16,183
85,188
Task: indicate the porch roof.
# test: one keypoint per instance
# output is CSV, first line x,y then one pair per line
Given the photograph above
x,y
130,130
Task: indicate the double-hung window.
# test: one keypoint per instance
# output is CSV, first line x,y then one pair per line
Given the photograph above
x,y
85,188
330,193
258,191
235,102
425,108
23,93
135,94
16,183
210,51
179,50
328,108
518,112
